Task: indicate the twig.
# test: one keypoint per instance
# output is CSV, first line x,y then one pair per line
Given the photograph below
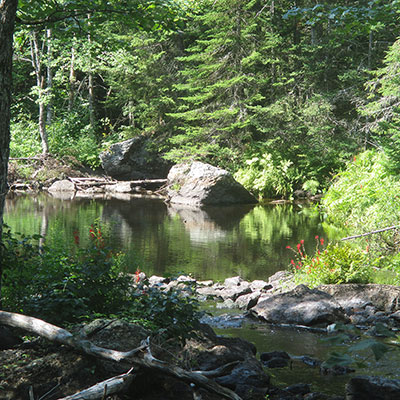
x,y
49,392
31,394
370,233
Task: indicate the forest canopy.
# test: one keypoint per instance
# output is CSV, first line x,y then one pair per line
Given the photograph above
x,y
281,93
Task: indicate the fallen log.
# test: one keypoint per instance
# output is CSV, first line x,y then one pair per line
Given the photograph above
x,y
370,233
62,336
102,389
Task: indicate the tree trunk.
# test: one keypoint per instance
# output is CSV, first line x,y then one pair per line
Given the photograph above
x,y
72,80
90,80
36,55
49,76
8,10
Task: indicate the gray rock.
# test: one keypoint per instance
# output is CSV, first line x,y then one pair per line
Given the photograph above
x,y
64,185
274,354
120,187
276,363
224,321
275,359
157,280
396,316
134,159
301,306
260,285
372,388
233,292
383,297
319,396
299,388
247,301
233,281
282,281
228,303
200,184
249,372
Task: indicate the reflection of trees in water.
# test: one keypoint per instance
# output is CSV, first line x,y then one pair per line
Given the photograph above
x,y
211,243
208,224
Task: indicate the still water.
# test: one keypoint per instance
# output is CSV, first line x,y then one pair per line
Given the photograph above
x,y
212,243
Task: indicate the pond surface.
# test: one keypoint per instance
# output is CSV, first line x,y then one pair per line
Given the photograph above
x,y
298,342
212,243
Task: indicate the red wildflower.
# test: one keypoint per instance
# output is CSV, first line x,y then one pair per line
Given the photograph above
x,y
302,241
298,247
316,237
288,247
137,275
292,262
91,231
76,237
322,241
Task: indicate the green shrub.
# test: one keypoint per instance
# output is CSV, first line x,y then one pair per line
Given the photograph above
x,y
84,147
25,140
333,264
68,285
364,198
267,176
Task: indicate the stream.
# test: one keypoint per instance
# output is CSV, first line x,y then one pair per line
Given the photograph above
x,y
213,243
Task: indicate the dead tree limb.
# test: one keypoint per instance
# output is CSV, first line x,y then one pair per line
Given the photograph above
x,y
370,233
62,336
110,386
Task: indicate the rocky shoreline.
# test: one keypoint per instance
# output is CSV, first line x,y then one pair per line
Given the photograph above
x,y
37,366
280,302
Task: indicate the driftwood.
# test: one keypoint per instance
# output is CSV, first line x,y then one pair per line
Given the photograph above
x,y
139,357
25,159
101,390
370,233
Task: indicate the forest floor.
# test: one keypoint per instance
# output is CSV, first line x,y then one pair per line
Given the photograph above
x,y
38,172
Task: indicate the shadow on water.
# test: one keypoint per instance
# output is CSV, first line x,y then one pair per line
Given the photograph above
x,y
210,243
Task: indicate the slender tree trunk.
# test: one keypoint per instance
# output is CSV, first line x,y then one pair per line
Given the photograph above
x,y
49,76
72,80
90,82
36,55
8,9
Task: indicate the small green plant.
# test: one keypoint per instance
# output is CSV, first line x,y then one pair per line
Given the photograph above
x,y
333,264
267,176
173,313
365,348
70,285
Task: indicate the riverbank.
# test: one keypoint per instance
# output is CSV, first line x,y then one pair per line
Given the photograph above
x,y
33,365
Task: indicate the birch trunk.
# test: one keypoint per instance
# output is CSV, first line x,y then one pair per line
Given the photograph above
x,y
36,55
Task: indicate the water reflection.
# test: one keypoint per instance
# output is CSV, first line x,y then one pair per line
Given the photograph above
x,y
211,243
208,224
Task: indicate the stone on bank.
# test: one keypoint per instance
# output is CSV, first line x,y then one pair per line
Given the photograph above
x,y
200,184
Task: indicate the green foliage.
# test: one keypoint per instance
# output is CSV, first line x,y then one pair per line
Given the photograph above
x,y
335,264
382,110
364,198
173,313
358,353
59,286
24,139
62,286
83,146
268,176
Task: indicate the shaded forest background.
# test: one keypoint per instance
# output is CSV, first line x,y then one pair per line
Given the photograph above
x,y
283,94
